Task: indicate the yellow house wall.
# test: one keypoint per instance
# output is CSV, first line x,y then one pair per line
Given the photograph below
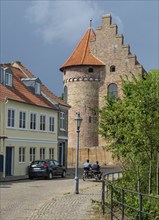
x,y
25,137
21,168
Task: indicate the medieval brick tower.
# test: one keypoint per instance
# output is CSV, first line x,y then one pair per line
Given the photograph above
x,y
91,72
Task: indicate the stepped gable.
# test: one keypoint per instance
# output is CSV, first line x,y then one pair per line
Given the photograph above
x,y
82,54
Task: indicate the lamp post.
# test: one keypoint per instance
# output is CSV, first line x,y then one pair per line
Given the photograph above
x,y
78,120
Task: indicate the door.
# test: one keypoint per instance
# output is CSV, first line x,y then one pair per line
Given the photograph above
x,y
9,152
62,153
1,163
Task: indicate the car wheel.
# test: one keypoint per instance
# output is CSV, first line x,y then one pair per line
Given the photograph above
x,y
64,173
50,176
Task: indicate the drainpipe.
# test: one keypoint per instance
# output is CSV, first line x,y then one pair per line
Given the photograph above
x,y
4,137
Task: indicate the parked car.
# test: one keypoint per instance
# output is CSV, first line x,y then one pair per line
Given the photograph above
x,y
46,168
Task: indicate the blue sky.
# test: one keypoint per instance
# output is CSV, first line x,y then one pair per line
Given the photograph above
x,y
42,34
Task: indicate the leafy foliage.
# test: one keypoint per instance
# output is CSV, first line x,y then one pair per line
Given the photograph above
x,y
131,125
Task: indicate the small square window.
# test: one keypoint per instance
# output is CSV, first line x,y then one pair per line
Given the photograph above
x,y
90,70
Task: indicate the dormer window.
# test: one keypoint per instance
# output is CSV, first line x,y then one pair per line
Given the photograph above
x,y
34,84
37,88
1,76
6,76
8,79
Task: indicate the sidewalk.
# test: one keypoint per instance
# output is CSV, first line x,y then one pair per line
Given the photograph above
x,y
70,173
51,200
13,178
70,206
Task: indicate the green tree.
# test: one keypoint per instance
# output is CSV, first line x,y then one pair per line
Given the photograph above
x,y
131,125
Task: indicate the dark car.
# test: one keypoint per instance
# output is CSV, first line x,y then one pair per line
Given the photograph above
x,y
46,168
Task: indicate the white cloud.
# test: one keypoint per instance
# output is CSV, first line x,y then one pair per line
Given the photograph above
x,y
62,20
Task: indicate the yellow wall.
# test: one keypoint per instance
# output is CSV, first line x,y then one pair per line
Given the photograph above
x,y
25,137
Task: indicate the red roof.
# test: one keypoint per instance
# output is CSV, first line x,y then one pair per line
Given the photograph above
x,y
82,55
43,87
20,92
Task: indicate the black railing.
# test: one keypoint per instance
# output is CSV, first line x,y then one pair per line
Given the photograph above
x,y
114,200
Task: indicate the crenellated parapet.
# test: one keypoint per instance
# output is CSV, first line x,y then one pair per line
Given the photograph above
x,y
91,79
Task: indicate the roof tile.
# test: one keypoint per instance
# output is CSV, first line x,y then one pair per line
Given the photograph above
x,y
82,54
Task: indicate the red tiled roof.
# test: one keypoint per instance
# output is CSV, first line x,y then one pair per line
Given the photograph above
x,y
20,92
82,54
43,87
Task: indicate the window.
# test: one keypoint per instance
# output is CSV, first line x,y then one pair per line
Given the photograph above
x,y
1,76
33,121
90,119
37,88
112,68
22,154
51,153
22,119
8,79
32,154
42,153
42,122
11,118
65,93
51,124
90,70
113,90
62,118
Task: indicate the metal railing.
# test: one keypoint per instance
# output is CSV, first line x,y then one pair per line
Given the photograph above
x,y
114,200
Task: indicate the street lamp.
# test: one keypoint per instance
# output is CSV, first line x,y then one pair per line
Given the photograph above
x,y
78,120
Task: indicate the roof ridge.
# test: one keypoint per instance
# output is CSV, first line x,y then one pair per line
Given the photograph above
x,y
86,47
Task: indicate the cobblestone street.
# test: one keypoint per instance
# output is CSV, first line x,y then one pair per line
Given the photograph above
x,y
48,199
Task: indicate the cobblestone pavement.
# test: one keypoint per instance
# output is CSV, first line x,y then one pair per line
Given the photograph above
x,y
48,200
70,206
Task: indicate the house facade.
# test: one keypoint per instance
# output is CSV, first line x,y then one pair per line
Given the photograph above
x,y
29,121
93,71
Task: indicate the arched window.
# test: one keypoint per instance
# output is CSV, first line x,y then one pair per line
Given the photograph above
x,y
65,93
112,69
113,90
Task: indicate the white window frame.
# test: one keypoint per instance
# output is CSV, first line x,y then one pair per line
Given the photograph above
x,y
34,121
51,124
32,153
12,119
22,120
37,88
62,121
42,122
21,154
51,153
42,153
8,79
